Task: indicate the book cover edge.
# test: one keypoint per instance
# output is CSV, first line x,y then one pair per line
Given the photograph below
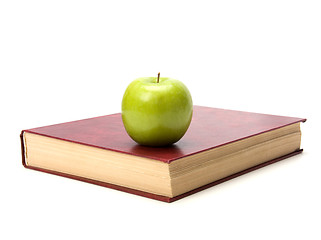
x,y
23,149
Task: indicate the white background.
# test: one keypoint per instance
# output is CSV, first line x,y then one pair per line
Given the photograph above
x,y
67,60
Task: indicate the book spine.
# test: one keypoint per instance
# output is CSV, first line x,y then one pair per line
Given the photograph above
x,y
23,149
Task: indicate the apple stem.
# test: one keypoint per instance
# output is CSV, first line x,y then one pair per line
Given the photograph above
x,y
158,77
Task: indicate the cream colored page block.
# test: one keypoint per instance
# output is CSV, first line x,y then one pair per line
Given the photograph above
x,y
97,164
195,160
233,163
154,176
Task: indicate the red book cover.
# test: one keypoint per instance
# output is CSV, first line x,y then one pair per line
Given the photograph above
x,y
210,128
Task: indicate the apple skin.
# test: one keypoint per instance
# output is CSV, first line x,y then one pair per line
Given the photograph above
x,y
156,114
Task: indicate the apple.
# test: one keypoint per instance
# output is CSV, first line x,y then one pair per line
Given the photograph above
x,y
156,111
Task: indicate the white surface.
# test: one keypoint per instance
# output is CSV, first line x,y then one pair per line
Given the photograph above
x,y
68,60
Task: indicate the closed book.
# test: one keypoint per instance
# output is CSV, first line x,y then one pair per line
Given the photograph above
x,y
219,145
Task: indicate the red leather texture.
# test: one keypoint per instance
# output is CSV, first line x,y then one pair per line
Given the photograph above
x,y
210,128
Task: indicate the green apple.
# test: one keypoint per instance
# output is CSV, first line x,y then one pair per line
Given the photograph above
x,y
156,111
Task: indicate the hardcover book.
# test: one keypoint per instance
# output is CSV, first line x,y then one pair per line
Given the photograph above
x,y
219,145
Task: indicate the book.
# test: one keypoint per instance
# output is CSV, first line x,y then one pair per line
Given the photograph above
x,y
219,145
